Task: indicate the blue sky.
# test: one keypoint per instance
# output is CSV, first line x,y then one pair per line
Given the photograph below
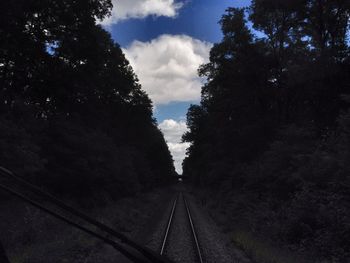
x,y
197,18
165,42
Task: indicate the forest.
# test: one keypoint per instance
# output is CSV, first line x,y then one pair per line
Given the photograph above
x,y
73,117
270,139
269,153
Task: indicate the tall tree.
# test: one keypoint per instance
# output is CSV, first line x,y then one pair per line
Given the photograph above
x,y
69,87
235,98
265,139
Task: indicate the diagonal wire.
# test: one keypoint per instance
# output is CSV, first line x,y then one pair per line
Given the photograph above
x,y
84,229
143,250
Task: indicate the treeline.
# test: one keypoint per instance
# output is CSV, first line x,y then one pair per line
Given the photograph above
x,y
271,136
73,117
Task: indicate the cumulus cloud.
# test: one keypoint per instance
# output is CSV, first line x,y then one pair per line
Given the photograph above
x,y
125,9
167,67
173,131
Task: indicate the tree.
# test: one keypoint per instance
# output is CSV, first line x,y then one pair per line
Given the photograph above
x,y
327,24
267,143
235,102
91,127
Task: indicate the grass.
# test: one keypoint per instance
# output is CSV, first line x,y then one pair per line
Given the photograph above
x,y
263,252
31,236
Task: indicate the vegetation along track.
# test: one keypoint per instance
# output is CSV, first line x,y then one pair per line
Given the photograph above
x,y
180,241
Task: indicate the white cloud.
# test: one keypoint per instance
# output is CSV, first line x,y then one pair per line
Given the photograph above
x,y
173,131
167,67
125,9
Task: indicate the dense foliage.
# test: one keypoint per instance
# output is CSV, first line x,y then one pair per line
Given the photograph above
x,y
271,134
73,117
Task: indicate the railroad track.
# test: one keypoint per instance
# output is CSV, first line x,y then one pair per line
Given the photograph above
x,y
181,209
180,242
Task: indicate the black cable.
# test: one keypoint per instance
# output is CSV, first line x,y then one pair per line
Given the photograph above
x,y
143,250
88,231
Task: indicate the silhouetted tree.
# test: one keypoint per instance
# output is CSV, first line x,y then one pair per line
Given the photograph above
x,y
73,115
268,139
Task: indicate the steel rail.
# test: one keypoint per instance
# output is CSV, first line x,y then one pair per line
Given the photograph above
x,y
194,234
193,231
143,250
168,226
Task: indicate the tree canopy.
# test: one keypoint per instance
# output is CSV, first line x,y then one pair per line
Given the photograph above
x,y
272,112
72,112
